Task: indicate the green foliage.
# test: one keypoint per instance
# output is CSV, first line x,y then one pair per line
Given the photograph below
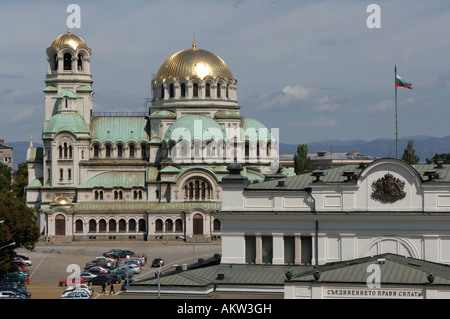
x,y
19,221
444,158
409,154
5,171
302,163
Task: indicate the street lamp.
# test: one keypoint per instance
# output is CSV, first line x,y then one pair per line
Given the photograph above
x,y
158,274
10,244
193,245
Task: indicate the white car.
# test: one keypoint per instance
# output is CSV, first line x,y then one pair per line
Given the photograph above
x,y
87,276
76,294
84,287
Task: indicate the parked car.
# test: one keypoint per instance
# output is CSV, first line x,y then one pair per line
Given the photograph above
x,y
98,270
22,259
100,279
14,277
87,276
84,287
75,281
115,278
17,291
157,261
124,253
112,253
76,295
77,290
122,273
14,285
10,294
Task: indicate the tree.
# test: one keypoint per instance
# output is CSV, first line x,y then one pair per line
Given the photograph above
x,y
302,163
444,158
18,224
409,154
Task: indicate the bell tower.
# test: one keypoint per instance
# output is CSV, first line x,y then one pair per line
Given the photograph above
x,y
68,80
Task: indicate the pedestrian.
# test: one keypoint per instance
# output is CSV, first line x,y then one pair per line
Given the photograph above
x,y
103,288
112,289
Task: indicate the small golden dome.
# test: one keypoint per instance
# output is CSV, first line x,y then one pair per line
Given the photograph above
x,y
194,63
69,40
61,200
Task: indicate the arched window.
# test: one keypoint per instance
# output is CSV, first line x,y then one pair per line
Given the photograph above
x,y
79,225
60,151
96,195
195,92
132,225
102,225
122,225
131,150
96,151
80,62
67,61
208,90
108,151
158,225
92,226
69,174
169,225
112,226
65,150
171,91
197,189
143,151
183,90
61,174
142,225
178,225
218,90
216,225
119,151
162,92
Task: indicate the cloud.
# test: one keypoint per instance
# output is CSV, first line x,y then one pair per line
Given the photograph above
x,y
321,122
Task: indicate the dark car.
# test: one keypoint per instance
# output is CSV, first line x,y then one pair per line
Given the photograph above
x,y
124,253
13,285
112,253
115,278
157,261
17,291
100,279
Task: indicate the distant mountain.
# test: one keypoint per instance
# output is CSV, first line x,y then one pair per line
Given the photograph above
x,y
425,146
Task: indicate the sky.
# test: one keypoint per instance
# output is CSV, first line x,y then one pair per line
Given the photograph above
x,y
315,70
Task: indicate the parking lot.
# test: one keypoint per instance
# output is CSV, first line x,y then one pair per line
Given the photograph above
x,y
51,262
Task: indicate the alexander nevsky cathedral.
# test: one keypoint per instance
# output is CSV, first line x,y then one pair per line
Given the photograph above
x,y
149,176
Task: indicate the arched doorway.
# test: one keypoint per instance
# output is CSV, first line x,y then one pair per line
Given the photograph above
x,y
197,224
60,225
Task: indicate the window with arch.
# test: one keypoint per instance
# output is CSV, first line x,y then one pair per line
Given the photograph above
x,y
61,174
131,150
108,150
216,225
69,174
141,225
195,91
169,225
118,195
137,194
197,189
80,62
102,225
178,225
158,225
171,91
208,90
98,195
119,150
143,151
112,226
96,151
183,90
219,88
132,225
67,61
79,225
92,226
122,225
162,92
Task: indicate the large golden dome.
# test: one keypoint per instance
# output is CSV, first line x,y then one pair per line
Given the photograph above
x,y
194,63
69,40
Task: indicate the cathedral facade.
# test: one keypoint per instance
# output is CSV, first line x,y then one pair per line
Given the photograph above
x,y
150,176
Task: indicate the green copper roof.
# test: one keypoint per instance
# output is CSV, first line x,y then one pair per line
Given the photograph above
x,y
67,93
65,122
227,115
163,114
255,131
36,154
84,88
108,180
195,127
119,129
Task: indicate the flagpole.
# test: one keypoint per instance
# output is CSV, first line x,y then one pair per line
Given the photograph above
x,y
396,122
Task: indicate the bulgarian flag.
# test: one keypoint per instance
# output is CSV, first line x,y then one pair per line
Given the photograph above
x,y
400,82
